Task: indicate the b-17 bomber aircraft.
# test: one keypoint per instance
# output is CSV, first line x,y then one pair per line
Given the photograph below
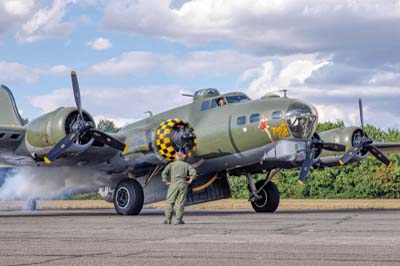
x,y
220,134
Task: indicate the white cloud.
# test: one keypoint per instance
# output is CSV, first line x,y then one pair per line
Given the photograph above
x,y
281,74
46,22
100,44
16,73
122,105
333,101
18,7
13,13
268,27
197,63
127,64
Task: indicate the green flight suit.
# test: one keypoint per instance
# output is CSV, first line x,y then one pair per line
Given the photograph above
x,y
178,171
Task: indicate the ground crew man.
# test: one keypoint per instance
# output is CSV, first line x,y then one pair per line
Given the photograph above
x,y
177,172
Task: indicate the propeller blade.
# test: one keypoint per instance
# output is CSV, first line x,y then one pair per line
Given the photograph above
x,y
350,154
330,146
61,147
108,140
379,155
77,93
306,166
360,106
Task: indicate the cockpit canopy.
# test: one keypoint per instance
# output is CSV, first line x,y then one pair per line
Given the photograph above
x,y
212,99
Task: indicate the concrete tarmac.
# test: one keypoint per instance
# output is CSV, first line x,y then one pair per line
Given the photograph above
x,y
99,237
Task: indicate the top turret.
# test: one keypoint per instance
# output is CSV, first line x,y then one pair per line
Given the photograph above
x,y
205,93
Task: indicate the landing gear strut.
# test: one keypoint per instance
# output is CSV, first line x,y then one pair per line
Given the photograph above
x,y
128,197
264,194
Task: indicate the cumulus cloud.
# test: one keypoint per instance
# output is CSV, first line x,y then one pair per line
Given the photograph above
x,y
13,13
267,27
16,73
129,63
46,22
100,44
122,105
197,63
333,101
281,73
18,7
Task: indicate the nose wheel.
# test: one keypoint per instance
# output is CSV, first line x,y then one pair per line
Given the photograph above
x,y
264,194
268,200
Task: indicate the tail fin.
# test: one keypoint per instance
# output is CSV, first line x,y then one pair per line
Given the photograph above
x,y
9,115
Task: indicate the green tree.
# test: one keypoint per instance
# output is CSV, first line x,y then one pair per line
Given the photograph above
x,y
329,125
107,126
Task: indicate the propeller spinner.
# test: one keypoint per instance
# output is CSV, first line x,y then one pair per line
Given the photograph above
x,y
364,143
83,128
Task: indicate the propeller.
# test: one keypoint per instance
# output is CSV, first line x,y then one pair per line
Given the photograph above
x,y
312,147
364,143
83,129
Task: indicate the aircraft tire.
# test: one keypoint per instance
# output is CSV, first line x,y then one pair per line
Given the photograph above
x,y
31,204
128,197
269,201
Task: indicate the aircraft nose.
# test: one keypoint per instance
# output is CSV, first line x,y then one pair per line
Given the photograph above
x,y
302,120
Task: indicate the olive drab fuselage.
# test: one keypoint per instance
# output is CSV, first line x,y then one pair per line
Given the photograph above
x,y
229,129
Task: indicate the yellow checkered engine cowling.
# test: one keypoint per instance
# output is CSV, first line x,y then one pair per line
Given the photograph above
x,y
165,138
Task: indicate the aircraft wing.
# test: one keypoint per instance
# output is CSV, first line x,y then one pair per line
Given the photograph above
x,y
14,152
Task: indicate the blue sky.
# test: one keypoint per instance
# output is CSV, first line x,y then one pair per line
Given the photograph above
x,y
134,56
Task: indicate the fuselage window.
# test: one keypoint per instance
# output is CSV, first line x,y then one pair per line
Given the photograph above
x,y
254,118
241,120
205,105
277,115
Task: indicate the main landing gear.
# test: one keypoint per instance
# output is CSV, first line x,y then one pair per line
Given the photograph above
x,y
128,197
264,194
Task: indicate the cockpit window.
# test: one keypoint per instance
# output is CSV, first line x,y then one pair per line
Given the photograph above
x,y
218,102
214,103
237,98
205,105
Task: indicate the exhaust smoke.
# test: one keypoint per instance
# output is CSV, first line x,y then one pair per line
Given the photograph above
x,y
49,183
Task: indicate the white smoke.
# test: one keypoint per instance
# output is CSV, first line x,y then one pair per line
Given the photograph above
x,y
49,183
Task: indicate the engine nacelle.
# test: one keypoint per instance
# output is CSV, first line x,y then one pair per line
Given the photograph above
x,y
347,136
175,135
47,130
